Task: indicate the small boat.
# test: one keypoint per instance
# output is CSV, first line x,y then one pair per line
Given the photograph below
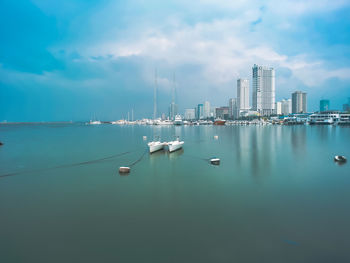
x,y
124,170
156,146
94,122
340,159
215,161
175,145
219,122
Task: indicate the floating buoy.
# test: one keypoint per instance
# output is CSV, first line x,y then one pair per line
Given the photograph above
x,y
144,138
216,137
124,170
340,158
215,161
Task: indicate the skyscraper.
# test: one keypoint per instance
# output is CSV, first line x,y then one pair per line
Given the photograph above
x,y
324,105
172,110
286,106
199,111
243,94
299,103
190,114
264,90
233,109
278,107
206,110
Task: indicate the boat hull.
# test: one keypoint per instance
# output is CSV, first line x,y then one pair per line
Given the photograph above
x,y
156,148
175,147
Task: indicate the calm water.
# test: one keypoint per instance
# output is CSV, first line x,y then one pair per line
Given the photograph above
x,y
276,197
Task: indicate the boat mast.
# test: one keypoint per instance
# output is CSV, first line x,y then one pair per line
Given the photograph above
x,y
155,96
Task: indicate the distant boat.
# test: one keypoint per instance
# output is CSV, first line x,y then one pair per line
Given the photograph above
x,y
94,122
178,120
219,122
175,145
156,146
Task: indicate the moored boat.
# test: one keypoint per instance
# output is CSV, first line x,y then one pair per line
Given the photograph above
x,y
156,146
175,145
219,122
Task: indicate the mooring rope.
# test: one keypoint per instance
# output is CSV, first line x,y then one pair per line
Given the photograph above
x,y
66,165
138,160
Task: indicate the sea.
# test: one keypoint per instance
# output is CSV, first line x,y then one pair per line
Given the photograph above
x,y
277,195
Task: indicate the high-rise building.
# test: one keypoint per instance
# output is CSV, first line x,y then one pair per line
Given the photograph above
x,y
264,90
243,94
233,109
299,103
199,112
190,114
172,110
324,105
278,107
286,106
206,110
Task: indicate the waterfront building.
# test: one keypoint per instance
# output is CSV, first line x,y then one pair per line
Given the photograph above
x,y
173,110
263,90
243,94
199,114
346,107
279,108
190,114
212,112
299,103
324,105
286,106
325,117
206,110
233,108
222,112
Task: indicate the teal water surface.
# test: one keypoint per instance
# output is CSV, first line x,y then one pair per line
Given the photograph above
x,y
277,195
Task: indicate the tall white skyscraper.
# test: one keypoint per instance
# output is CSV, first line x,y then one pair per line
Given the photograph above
x,y
243,94
206,110
190,114
278,107
299,104
264,90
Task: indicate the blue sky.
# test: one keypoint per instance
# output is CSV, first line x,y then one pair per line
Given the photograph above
x,y
70,60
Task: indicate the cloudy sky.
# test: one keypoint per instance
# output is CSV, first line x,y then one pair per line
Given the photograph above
x,y
70,60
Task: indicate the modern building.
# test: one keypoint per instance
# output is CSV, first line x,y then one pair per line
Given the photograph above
x,y
206,110
279,108
324,105
233,109
222,112
286,106
173,110
243,94
199,113
190,114
346,107
299,103
263,90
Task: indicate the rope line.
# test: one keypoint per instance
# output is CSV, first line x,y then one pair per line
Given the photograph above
x,y
66,165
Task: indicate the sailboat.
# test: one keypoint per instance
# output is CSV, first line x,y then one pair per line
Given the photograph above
x,y
175,145
156,145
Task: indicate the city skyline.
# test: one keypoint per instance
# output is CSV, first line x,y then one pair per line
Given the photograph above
x,y
52,68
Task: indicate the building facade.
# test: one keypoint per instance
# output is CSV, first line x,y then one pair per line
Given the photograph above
x,y
279,108
286,106
264,90
299,102
206,110
199,113
190,114
222,112
243,94
172,110
233,109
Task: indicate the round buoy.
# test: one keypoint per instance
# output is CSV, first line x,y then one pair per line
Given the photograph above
x,y
340,159
124,170
215,161
216,137
144,138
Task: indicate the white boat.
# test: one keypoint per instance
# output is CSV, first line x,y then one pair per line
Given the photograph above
x,y
178,120
156,146
94,122
175,145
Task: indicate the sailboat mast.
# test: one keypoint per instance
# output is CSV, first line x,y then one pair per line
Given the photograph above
x,y
155,96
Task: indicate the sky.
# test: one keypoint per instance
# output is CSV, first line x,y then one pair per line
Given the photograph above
x,y
82,59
